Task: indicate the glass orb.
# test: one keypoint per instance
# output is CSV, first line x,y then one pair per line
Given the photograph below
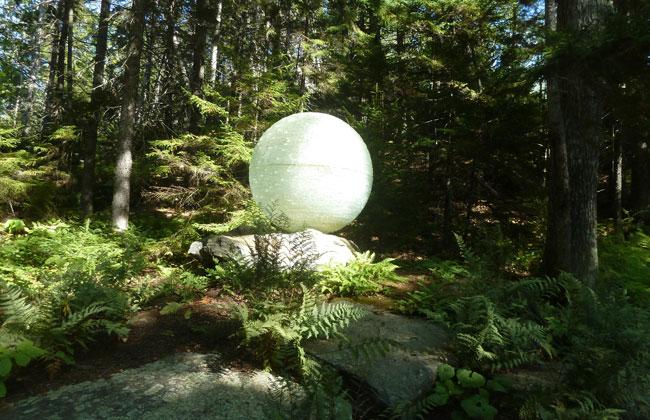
x,y
312,168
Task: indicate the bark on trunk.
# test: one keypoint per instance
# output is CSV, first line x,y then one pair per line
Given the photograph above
x,y
617,174
582,113
214,59
96,99
70,62
59,91
122,188
50,102
558,229
170,65
32,87
640,188
198,62
447,232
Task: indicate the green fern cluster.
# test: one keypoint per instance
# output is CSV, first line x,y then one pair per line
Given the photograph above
x,y
62,284
47,249
486,337
501,329
605,343
626,263
277,333
54,327
360,276
600,338
568,406
274,270
279,330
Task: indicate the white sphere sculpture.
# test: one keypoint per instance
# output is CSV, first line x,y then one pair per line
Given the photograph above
x,y
314,169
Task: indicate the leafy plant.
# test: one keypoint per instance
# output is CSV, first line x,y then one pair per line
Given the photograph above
x,y
459,389
184,284
19,355
359,276
15,226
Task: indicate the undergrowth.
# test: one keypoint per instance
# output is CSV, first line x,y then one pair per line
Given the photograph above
x,y
61,285
598,339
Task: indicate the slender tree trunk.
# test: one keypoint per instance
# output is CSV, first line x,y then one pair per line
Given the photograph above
x,y
198,61
617,174
214,58
640,188
32,87
96,99
59,91
70,62
558,232
447,216
170,65
144,102
122,188
50,101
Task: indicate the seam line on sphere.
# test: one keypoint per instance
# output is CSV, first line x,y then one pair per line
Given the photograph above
x,y
316,166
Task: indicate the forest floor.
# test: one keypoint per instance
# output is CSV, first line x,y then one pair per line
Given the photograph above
x,y
207,329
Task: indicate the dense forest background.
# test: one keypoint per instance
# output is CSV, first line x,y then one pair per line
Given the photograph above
x,y
459,103
519,128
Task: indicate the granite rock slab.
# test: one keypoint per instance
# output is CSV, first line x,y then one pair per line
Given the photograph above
x,y
186,386
406,371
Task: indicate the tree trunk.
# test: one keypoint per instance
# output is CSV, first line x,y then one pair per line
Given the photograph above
x,y
558,229
70,62
214,59
447,231
582,112
96,99
617,174
59,91
198,61
640,188
50,101
122,188
170,65
32,87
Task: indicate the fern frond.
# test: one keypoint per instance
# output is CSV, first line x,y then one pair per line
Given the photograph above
x,y
15,312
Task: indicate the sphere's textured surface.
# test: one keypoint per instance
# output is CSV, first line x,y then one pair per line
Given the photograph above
x,y
313,168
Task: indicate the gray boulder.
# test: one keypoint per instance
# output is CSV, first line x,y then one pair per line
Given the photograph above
x,y
308,249
407,371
